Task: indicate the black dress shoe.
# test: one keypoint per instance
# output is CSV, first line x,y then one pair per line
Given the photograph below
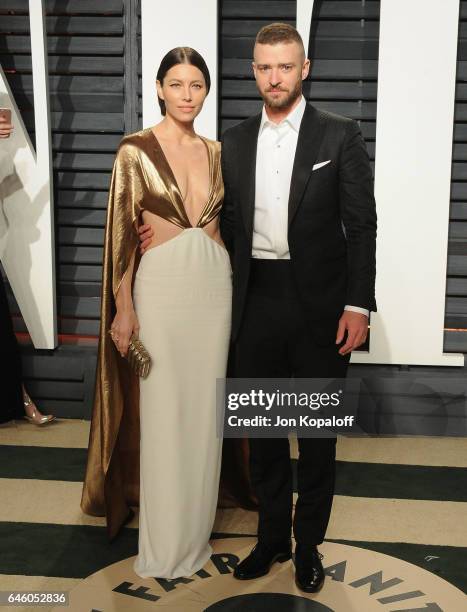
x,y
309,573
259,561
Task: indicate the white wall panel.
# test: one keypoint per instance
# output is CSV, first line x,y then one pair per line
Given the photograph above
x,y
303,22
26,221
414,130
165,25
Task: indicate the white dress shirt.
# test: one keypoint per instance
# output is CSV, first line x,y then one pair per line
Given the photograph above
x,y
275,155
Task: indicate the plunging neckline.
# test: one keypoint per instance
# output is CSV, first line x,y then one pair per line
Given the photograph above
x,y
177,188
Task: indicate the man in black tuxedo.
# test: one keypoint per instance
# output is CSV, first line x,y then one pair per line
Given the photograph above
x,y
299,220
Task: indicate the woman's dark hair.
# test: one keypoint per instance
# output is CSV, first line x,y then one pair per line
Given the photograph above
x,y
181,55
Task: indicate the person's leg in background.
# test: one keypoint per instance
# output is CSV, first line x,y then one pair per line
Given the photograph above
x,y
16,403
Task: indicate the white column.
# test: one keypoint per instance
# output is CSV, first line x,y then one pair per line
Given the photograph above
x,y
303,22
26,196
414,131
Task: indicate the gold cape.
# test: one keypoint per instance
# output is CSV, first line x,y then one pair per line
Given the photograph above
x,y
141,179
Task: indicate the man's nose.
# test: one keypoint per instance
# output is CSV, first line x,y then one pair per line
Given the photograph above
x,y
274,79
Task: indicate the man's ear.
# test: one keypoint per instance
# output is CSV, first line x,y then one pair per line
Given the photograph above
x,y
306,69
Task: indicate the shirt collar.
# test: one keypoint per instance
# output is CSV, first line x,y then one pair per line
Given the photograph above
x,y
294,118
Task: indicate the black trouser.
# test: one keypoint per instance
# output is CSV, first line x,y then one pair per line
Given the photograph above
x,y
275,342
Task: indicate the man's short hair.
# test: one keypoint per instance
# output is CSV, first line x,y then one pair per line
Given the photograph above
x,y
275,33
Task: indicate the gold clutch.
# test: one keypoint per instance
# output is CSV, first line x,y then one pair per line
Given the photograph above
x,y
138,357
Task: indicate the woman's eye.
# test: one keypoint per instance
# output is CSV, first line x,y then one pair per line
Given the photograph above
x,y
175,85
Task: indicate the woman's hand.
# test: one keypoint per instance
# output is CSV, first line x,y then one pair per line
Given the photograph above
x,y
5,128
123,326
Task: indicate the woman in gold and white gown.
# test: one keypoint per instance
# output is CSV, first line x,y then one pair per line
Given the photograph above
x,y
177,297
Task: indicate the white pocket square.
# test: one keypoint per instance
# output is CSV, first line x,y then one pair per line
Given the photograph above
x,y
321,164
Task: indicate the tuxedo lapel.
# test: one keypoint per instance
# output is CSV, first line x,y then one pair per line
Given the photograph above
x,y
247,163
308,144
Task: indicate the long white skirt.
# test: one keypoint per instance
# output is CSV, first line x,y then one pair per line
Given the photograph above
x,y
182,297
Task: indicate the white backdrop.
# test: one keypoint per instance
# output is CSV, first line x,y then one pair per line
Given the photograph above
x,y
414,132
165,25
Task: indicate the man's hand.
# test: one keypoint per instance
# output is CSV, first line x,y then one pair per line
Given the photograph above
x,y
5,128
146,234
356,325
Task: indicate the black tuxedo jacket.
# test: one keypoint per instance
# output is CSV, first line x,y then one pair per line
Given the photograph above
x,y
331,221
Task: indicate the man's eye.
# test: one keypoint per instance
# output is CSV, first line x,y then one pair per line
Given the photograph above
x,y
286,68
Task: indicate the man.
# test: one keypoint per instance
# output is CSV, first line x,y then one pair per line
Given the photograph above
x,y
299,220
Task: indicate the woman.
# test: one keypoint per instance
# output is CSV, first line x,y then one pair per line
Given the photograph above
x,y
177,298
16,401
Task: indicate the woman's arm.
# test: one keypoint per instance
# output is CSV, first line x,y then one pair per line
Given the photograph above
x,y
121,242
125,322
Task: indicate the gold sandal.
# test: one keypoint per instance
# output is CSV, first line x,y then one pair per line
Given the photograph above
x,y
36,417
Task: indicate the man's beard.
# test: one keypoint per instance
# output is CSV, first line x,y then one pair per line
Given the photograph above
x,y
285,102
